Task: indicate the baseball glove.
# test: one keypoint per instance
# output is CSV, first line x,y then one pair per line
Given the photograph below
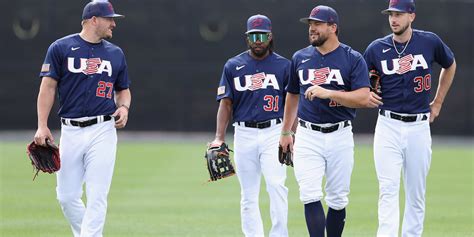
x,y
44,158
285,158
219,164
374,77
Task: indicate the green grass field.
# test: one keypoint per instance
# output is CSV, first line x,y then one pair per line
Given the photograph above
x,y
160,189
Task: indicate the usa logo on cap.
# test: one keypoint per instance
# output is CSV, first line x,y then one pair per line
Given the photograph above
x,y
323,14
314,12
258,23
407,6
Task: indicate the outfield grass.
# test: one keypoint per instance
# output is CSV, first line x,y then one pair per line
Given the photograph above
x,y
160,189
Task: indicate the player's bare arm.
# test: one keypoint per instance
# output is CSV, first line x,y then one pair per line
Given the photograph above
x,y
446,78
123,99
45,102
224,115
291,107
359,98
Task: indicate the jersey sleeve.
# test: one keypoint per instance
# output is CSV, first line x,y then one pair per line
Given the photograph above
x,y
293,83
359,73
225,85
52,63
368,57
443,54
122,82
286,80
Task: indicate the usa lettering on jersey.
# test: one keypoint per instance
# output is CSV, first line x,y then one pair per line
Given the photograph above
x,y
256,81
90,66
321,76
405,64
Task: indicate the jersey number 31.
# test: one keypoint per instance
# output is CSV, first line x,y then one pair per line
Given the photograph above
x,y
272,103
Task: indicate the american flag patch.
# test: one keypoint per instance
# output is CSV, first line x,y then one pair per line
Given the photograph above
x,y
45,67
256,80
221,90
320,76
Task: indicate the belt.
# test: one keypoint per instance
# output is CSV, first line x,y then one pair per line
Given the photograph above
x,y
260,125
86,123
328,129
403,118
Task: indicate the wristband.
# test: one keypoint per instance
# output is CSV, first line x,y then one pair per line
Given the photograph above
x,y
287,133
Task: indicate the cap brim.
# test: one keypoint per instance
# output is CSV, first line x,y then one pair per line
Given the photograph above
x,y
115,16
258,30
388,10
307,19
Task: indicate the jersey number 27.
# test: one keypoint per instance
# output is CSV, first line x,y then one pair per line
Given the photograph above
x,y
102,86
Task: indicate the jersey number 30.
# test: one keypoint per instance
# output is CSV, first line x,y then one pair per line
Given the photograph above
x,y
102,86
272,103
422,83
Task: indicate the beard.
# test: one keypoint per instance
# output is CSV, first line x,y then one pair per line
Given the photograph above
x,y
401,31
104,33
319,41
259,52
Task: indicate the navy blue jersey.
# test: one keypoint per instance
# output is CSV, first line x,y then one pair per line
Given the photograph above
x,y
406,81
256,87
87,75
343,69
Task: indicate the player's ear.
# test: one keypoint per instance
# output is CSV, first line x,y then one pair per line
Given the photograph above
x,y
94,20
334,27
412,17
270,36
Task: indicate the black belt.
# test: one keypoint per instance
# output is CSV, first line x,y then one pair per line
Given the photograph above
x,y
85,123
261,125
324,129
403,118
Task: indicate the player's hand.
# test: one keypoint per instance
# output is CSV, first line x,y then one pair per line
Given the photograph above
x,y
435,108
374,100
121,117
216,142
317,91
41,135
286,141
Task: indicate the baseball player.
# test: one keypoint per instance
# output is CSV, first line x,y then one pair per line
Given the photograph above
x,y
252,92
90,75
402,136
327,80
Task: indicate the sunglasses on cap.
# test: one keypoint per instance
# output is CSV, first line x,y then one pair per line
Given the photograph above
x,y
262,37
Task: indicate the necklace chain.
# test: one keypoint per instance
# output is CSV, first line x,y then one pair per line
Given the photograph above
x,y
406,45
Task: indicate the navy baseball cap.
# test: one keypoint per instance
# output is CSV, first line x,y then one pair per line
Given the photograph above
x,y
99,8
258,23
323,14
400,6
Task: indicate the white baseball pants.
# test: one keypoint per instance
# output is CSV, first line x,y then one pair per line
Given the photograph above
x,y
87,156
256,153
401,146
317,154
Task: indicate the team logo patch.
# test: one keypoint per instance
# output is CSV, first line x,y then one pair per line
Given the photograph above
x,y
256,81
45,67
403,65
90,66
321,76
221,90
